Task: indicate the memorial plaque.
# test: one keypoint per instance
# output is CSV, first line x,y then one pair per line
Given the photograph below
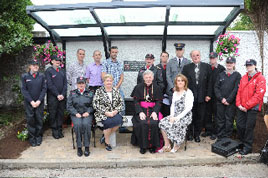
x,y
133,66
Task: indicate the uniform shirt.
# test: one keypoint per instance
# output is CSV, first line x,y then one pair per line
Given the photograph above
x,y
80,102
56,81
214,74
33,89
113,68
93,73
226,87
75,70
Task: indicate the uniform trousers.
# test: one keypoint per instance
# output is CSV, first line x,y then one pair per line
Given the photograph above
x,y
82,129
246,122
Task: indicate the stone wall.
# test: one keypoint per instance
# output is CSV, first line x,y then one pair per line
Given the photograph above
x,y
11,68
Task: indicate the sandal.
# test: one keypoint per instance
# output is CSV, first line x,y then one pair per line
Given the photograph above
x,y
164,149
174,150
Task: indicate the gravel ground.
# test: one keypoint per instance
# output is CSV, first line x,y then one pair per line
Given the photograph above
x,y
234,170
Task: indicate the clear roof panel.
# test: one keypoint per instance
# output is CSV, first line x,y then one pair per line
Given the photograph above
x,y
123,15
193,29
134,30
199,14
63,17
92,31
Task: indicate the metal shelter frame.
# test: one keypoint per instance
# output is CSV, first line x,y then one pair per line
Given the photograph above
x,y
238,6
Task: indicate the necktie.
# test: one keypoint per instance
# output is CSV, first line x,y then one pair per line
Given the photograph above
x,y
165,66
147,67
228,74
81,90
34,75
57,69
179,62
212,67
196,74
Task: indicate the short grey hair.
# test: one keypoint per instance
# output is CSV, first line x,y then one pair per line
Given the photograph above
x,y
148,72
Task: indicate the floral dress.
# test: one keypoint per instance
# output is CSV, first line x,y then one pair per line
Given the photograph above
x,y
176,132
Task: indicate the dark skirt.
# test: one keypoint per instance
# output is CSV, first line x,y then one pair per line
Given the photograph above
x,y
111,122
145,132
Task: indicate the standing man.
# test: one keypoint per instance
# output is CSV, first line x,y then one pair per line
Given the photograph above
x,y
149,65
76,69
56,96
198,74
165,108
210,122
115,68
174,67
93,72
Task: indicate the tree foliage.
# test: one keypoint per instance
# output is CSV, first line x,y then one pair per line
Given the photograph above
x,y
15,26
243,23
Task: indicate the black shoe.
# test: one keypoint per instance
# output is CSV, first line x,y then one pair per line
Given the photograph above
x,y
152,150
245,151
79,152
190,138
213,137
87,152
33,142
124,130
142,150
205,134
55,134
197,139
38,141
61,134
102,139
108,147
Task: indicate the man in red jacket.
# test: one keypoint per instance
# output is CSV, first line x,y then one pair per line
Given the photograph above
x,y
249,101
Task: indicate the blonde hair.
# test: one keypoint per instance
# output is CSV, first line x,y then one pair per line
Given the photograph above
x,y
106,76
184,78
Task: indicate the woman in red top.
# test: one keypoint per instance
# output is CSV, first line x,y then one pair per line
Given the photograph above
x,y
249,101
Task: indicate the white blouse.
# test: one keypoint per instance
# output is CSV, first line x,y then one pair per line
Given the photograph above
x,y
110,96
189,100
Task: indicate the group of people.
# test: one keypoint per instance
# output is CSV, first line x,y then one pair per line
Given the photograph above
x,y
173,101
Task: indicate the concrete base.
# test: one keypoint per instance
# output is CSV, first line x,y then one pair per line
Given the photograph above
x,y
58,154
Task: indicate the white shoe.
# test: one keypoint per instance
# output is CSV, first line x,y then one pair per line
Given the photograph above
x,y
174,150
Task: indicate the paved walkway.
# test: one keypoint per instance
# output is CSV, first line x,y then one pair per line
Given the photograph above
x,y
60,153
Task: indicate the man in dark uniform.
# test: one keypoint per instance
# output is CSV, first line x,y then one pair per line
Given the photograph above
x,y
158,78
210,119
198,74
165,108
56,96
174,67
34,89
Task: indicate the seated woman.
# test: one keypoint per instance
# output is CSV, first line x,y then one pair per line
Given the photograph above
x,y
80,107
108,104
147,100
174,127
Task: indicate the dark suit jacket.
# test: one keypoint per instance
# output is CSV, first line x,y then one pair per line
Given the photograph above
x,y
204,87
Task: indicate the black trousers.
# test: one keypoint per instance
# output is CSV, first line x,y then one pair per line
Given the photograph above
x,y
246,122
225,119
210,122
34,118
56,112
199,111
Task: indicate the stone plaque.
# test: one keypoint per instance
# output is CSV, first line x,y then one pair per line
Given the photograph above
x,y
133,66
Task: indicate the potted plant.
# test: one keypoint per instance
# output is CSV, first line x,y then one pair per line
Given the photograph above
x,y
227,46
